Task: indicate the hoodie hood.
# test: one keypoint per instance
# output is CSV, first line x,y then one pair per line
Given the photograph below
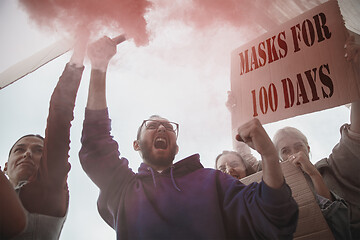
x,y
179,169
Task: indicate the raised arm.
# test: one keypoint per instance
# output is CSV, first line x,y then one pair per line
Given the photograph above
x,y
55,165
355,117
253,134
99,155
352,48
100,54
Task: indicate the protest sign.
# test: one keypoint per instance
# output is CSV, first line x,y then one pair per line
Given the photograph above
x,y
311,223
295,69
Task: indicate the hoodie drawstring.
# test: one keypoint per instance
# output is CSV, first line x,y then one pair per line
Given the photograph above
x,y
171,174
153,175
173,180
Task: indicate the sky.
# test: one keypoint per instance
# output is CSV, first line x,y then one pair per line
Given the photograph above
x,y
180,70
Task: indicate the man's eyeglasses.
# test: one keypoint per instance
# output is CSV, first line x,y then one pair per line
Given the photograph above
x,y
154,124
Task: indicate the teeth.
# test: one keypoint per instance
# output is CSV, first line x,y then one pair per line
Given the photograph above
x,y
160,143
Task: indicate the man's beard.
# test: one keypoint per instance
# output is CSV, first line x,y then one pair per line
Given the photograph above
x,y
161,161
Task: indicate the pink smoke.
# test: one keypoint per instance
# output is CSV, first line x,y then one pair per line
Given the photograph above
x,y
128,16
203,14
255,15
120,16
210,11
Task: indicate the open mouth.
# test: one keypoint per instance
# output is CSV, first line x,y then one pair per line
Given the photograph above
x,y
160,143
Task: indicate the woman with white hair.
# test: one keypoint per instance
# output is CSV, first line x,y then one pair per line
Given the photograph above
x,y
335,178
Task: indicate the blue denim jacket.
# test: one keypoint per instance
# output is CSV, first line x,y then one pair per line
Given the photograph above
x,y
336,215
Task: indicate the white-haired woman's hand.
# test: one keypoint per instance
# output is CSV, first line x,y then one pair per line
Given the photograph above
x,y
302,160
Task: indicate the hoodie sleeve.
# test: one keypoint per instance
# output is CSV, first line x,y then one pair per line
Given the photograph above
x,y
263,212
100,159
99,155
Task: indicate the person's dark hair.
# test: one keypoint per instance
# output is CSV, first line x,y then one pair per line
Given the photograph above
x,y
139,129
248,168
28,135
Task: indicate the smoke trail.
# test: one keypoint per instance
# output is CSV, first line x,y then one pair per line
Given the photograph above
x,y
128,16
120,16
263,15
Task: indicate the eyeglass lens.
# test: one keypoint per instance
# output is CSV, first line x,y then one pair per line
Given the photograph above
x,y
153,124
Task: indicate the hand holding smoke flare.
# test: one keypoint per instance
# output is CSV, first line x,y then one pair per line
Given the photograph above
x,y
101,51
83,35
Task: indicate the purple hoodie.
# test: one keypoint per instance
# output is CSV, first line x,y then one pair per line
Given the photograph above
x,y
185,201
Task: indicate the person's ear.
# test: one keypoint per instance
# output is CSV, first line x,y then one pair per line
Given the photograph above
x,y
136,145
308,147
177,149
5,168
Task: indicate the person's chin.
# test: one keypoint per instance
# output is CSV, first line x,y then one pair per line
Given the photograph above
x,y
26,173
161,155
